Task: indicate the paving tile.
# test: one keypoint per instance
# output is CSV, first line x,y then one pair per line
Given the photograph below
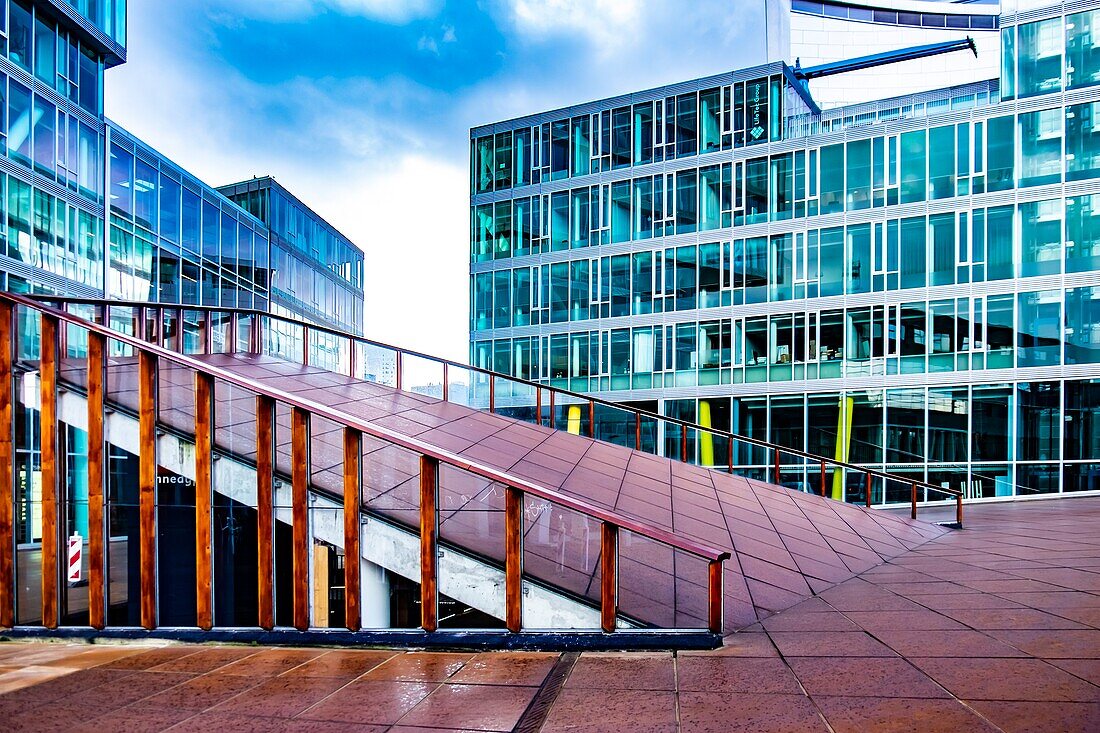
x,y
203,692
1010,618
739,645
139,717
712,712
600,711
899,715
281,697
913,620
863,677
342,663
380,702
829,643
517,668
790,621
419,667
945,643
623,671
270,662
479,707
1041,717
228,723
206,660
1007,679
735,674
1053,643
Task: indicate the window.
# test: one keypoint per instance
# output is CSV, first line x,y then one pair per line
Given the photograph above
x,y
45,137
913,164
1083,326
686,143
1041,147
1083,233
1001,153
1039,55
1082,141
859,175
1040,332
20,31
1041,237
19,122
620,137
122,173
941,162
1082,49
832,178
686,200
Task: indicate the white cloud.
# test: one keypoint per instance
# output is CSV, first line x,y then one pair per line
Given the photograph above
x,y
605,23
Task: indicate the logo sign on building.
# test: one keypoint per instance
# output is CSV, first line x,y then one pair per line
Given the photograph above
x,y
756,100
76,543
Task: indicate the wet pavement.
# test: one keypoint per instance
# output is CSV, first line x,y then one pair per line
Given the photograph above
x,y
995,627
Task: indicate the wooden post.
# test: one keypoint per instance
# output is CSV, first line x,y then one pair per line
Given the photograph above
x,y
592,419
7,467
234,326
446,383
513,558
299,511
683,443
637,431
492,393
729,453
868,492
265,511
147,485
775,468
714,597
50,469
538,406
823,478
398,376
550,419
207,332
429,531
97,474
959,510
353,471
177,337
351,358
913,500
255,335
204,492
609,540
305,346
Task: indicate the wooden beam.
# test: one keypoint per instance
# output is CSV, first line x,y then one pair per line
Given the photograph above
x,y
609,540
299,512
265,509
97,474
50,470
513,559
429,534
7,468
715,596
204,494
147,486
353,472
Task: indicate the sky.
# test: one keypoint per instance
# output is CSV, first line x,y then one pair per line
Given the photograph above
x,y
362,108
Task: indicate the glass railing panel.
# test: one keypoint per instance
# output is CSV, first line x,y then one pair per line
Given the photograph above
x,y
327,351
570,414
380,365
659,585
471,556
193,331
461,388
561,552
515,399
27,470
423,376
120,433
283,340
615,425
898,488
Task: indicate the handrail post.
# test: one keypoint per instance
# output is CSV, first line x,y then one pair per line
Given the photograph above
x,y
492,393
399,368
637,431
351,358
775,467
715,596
177,338
353,472
207,333
50,469
513,558
158,326
234,326
429,532
683,443
959,510
913,500
299,511
305,346
868,492
538,406
265,510
609,550
97,462
446,383
592,419
823,477
7,465
256,335
204,492
147,486
729,453
550,417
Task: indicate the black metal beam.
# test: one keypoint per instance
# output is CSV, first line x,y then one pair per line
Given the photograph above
x,y
886,57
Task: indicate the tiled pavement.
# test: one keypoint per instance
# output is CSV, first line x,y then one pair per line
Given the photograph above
x,y
996,627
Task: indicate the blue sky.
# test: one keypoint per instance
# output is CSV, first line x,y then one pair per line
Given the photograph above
x,y
363,108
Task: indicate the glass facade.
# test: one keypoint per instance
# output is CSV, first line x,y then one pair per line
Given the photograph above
x,y
316,272
821,287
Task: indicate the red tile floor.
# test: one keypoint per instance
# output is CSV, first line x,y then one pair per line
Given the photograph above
x,y
995,627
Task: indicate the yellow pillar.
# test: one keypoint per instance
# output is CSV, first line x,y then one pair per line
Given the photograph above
x,y
706,438
573,422
843,443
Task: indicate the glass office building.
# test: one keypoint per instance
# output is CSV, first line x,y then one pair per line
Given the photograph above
x,y
316,272
911,283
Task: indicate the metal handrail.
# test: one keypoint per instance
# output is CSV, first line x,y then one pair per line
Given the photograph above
x,y
639,413
610,520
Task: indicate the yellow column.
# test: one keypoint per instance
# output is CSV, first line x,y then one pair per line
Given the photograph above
x,y
706,438
843,443
573,422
